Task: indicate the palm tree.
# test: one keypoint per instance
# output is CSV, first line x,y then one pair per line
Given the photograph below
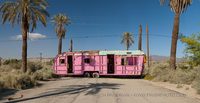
x,y
178,7
26,13
60,21
127,39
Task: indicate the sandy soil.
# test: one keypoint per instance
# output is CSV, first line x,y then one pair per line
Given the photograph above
x,y
181,88
100,90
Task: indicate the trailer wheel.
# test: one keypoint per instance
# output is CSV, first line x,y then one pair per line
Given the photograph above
x,y
86,74
95,75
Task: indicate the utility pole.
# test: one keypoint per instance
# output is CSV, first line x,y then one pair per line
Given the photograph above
x,y
147,41
71,45
140,38
41,57
0,61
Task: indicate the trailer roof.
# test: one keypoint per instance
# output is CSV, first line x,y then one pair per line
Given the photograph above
x,y
122,52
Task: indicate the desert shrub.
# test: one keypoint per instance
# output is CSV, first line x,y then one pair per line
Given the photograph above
x,y
196,85
148,77
182,76
10,61
13,63
49,62
34,66
12,77
159,71
196,82
17,81
43,74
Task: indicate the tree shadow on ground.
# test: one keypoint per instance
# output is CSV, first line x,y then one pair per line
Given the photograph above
x,y
89,89
6,92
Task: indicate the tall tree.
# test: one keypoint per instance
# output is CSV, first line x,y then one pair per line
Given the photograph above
x,y
147,41
127,39
26,13
140,38
178,7
60,21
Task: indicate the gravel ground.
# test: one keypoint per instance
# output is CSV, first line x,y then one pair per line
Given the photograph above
x,y
100,90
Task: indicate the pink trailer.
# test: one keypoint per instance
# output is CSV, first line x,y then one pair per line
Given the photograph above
x,y
99,63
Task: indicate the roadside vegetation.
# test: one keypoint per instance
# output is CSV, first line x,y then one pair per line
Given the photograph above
x,y
187,72
184,74
12,77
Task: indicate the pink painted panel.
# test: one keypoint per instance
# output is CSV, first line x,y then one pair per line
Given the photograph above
x,y
79,68
140,60
78,72
89,68
62,72
104,61
97,68
118,60
129,72
130,68
104,69
97,60
61,68
118,68
119,72
78,60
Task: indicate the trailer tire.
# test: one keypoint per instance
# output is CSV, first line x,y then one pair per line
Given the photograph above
x,y
87,74
95,75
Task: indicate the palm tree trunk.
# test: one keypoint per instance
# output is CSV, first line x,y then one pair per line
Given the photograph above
x,y
174,41
127,45
60,45
24,44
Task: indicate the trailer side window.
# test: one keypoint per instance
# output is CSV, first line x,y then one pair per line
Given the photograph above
x,y
130,60
62,61
87,60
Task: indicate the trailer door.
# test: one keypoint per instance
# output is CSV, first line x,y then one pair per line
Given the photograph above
x,y
110,64
69,64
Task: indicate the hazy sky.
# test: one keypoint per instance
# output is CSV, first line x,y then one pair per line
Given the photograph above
x,y
99,25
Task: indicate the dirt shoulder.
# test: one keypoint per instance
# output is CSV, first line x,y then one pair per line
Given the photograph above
x,y
181,88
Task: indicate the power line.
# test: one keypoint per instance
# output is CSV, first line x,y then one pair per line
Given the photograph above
x,y
88,36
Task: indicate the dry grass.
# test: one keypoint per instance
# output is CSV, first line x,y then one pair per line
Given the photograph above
x,y
184,74
12,77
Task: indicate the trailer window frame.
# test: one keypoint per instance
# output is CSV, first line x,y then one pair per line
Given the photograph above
x,y
129,61
62,61
87,60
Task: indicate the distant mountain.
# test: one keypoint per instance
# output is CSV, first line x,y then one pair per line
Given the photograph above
x,y
163,58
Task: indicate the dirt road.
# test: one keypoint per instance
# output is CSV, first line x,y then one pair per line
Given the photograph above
x,y
101,90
